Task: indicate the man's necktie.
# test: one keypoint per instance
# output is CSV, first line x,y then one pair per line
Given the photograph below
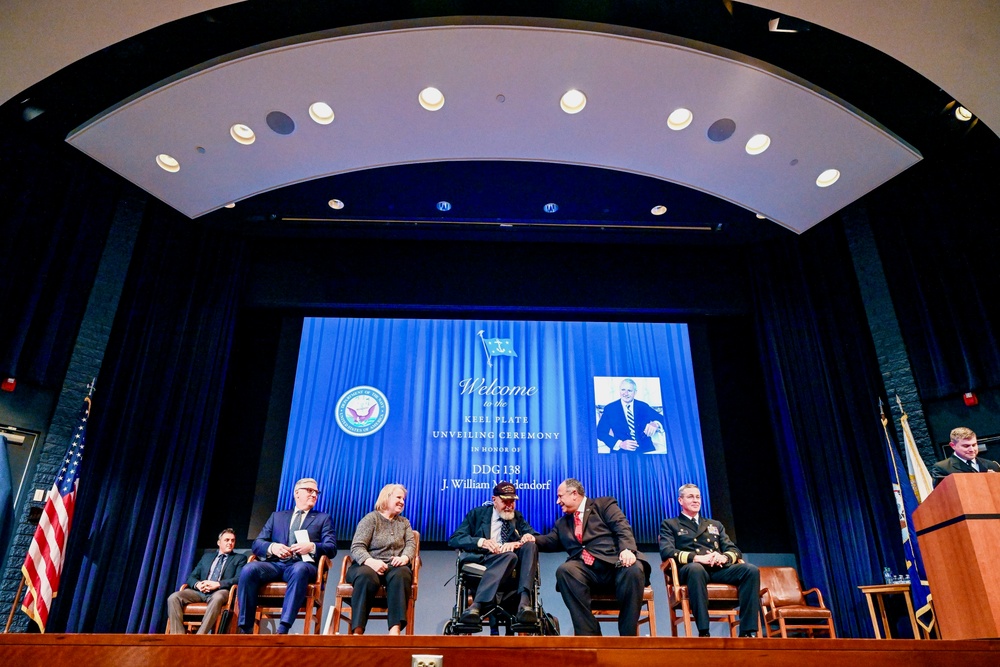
x,y
296,525
588,558
505,531
975,466
630,419
217,567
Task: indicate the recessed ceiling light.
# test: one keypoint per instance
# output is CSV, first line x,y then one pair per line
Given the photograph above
x,y
758,144
335,204
828,178
444,206
573,101
168,163
242,134
679,119
658,210
321,113
963,114
431,98
761,216
231,204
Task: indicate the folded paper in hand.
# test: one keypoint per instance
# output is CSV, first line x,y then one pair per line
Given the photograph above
x,y
301,537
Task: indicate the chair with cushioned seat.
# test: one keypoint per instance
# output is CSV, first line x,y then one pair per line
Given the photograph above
x,y
381,609
194,612
723,602
782,600
271,597
606,607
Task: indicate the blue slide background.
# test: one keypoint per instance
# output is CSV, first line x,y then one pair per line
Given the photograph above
x,y
433,442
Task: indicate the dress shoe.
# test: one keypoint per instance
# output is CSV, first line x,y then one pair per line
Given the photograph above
x,y
704,633
526,615
749,633
472,615
283,629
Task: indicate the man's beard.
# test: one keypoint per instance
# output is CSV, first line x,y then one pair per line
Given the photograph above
x,y
506,515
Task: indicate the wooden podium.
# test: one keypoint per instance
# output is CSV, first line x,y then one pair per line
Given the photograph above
x,y
958,530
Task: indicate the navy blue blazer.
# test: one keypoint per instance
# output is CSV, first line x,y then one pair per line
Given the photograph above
x,y
479,523
318,524
953,464
230,573
613,427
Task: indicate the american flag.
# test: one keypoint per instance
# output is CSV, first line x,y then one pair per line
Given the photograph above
x,y
44,562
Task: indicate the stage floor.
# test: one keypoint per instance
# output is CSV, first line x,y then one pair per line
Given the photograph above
x,y
22,650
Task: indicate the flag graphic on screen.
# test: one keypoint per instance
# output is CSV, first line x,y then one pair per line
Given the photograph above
x,y
497,347
44,562
906,504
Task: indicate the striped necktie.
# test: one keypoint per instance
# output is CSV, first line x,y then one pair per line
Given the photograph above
x,y
630,419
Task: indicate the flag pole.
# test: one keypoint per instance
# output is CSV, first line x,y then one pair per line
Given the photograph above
x,y
489,357
13,606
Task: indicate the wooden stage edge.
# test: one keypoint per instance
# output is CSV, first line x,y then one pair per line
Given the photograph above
x,y
24,650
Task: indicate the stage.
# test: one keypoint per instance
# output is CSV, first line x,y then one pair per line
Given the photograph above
x,y
25,650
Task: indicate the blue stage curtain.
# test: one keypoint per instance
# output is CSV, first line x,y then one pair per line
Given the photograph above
x,y
941,255
823,386
151,437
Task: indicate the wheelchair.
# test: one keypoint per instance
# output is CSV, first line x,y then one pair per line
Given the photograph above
x,y
499,612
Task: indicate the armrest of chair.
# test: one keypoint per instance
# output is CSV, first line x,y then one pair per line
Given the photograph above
x,y
819,596
183,587
321,570
671,565
765,600
346,563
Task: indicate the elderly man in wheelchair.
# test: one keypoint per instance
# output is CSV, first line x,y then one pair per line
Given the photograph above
x,y
498,567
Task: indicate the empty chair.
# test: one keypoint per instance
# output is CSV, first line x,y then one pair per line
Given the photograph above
x,y
784,605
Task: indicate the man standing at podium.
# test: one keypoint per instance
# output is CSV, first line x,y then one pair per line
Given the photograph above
x,y
965,459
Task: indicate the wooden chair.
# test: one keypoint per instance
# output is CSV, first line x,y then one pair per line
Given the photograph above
x,y
782,600
271,597
723,602
606,607
194,612
380,610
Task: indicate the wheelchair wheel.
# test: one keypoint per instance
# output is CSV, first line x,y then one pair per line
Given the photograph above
x,y
550,625
449,628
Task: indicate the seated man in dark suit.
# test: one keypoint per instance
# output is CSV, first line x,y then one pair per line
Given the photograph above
x,y
210,581
286,554
965,458
602,551
705,554
498,537
627,425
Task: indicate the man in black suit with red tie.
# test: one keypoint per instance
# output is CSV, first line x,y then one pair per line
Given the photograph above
x,y
965,458
704,553
602,552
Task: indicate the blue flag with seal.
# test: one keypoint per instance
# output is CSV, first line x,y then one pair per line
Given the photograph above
x,y
906,504
497,347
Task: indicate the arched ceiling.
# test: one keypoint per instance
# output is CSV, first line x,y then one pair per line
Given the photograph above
x,y
502,77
